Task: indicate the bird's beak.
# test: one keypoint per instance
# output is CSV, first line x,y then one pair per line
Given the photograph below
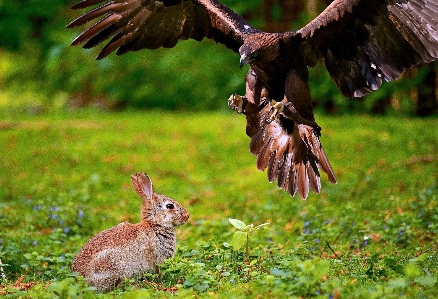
x,y
243,60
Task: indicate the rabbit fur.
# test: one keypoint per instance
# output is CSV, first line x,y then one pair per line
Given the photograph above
x,y
129,250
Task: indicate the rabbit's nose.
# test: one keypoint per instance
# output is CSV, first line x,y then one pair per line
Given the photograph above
x,y
186,217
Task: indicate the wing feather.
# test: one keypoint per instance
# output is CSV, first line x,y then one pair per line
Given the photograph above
x,y
140,24
363,42
96,28
85,4
100,37
93,14
115,43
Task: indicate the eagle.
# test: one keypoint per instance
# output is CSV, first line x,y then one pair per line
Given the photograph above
x,y
360,42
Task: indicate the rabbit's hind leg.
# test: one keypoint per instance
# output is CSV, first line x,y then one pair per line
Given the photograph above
x,y
105,273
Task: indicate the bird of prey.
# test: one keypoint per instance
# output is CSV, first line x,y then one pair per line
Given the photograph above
x,y
360,42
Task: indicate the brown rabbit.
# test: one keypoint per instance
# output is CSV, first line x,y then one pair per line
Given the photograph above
x,y
129,250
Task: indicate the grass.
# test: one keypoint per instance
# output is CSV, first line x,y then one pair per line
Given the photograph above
x,y
373,235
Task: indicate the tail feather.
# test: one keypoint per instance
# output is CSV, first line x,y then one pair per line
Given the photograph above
x,y
292,187
283,174
273,164
256,143
291,152
314,179
264,154
303,180
326,167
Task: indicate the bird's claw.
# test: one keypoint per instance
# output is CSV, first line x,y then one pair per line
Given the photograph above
x,y
237,103
277,108
242,105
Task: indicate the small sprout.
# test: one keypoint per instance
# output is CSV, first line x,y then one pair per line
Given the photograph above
x,y
241,237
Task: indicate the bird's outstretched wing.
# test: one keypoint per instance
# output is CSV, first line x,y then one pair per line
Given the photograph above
x,y
137,24
363,42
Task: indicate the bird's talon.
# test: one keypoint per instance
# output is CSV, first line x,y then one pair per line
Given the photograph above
x,y
277,108
236,103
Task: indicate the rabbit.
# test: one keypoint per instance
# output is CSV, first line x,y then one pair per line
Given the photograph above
x,y
129,250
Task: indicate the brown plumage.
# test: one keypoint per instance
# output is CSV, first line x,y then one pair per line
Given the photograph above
x,y
361,43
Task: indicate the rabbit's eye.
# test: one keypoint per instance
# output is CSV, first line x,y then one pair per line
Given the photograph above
x,y
170,206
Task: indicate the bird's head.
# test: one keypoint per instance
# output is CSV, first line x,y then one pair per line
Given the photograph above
x,y
259,47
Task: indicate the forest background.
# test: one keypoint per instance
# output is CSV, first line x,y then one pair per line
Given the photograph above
x,y
40,72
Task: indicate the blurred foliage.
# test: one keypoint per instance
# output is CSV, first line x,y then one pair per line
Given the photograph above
x,y
39,70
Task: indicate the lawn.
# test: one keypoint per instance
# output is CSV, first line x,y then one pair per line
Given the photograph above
x,y
66,177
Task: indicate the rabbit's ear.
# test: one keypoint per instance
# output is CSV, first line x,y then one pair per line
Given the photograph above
x,y
142,185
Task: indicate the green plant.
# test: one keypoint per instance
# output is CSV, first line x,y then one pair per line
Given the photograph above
x,y
241,237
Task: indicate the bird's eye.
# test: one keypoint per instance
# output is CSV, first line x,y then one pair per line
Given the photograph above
x,y
170,206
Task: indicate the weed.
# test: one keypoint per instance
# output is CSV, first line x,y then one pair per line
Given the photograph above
x,y
241,237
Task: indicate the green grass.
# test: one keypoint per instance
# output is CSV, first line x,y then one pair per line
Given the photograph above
x,y
66,177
